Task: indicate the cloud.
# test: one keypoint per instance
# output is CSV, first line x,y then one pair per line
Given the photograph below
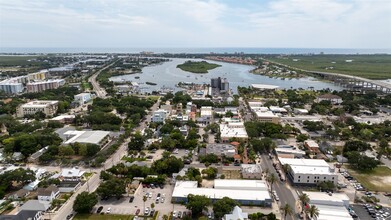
x,y
196,23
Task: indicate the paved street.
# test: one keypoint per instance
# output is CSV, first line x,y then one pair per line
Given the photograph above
x,y
282,188
93,183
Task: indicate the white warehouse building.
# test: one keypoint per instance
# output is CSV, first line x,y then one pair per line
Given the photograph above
x,y
331,206
246,192
309,171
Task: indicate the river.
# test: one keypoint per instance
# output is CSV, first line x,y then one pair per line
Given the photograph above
x,y
167,75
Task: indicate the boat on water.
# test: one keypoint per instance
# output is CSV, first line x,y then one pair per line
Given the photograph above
x,y
137,77
188,76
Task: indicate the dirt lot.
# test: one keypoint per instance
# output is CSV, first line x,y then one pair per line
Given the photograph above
x,y
378,179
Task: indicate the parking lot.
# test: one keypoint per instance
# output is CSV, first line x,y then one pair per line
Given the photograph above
x,y
123,206
363,214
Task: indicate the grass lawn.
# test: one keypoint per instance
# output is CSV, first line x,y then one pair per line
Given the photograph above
x,y
378,179
376,66
102,217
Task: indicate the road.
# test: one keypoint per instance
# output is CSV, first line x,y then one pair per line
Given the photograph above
x,y
100,92
283,189
94,181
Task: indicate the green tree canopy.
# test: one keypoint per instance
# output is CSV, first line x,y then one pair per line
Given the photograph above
x,y
84,202
197,204
223,206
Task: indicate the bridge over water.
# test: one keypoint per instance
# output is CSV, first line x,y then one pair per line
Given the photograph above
x,y
347,81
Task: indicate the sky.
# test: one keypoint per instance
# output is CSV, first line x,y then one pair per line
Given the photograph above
x,y
196,23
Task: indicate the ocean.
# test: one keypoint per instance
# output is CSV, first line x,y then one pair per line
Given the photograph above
x,y
199,50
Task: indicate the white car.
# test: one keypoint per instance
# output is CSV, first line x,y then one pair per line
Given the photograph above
x,y
146,212
108,210
174,214
150,195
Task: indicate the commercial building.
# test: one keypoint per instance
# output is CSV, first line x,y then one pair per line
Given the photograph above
x,y
11,87
65,119
289,151
82,98
220,150
330,206
49,108
233,130
86,137
264,87
267,116
159,116
219,84
246,192
15,85
300,111
44,85
309,171
312,146
334,99
251,171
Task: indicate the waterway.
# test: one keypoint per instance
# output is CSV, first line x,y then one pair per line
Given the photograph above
x,y
168,75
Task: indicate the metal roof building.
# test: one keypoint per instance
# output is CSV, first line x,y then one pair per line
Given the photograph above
x,y
245,192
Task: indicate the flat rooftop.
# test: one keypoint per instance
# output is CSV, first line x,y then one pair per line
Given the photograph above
x,y
233,130
266,114
307,166
184,188
38,104
90,137
264,86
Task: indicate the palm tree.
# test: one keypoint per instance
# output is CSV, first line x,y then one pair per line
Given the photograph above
x,y
304,199
271,179
286,210
313,211
286,168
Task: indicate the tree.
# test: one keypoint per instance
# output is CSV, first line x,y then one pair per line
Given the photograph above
x,y
301,137
271,179
66,151
304,199
211,172
223,206
84,202
152,205
167,165
286,210
112,187
313,211
144,200
197,204
137,142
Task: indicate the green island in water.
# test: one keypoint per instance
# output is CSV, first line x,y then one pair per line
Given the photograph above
x,y
197,67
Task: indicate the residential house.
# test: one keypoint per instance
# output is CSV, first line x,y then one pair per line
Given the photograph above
x,y
237,214
20,194
73,174
48,194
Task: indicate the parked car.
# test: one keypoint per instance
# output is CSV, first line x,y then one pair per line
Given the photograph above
x,y
69,216
99,209
108,210
131,199
179,214
138,211
174,214
146,212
